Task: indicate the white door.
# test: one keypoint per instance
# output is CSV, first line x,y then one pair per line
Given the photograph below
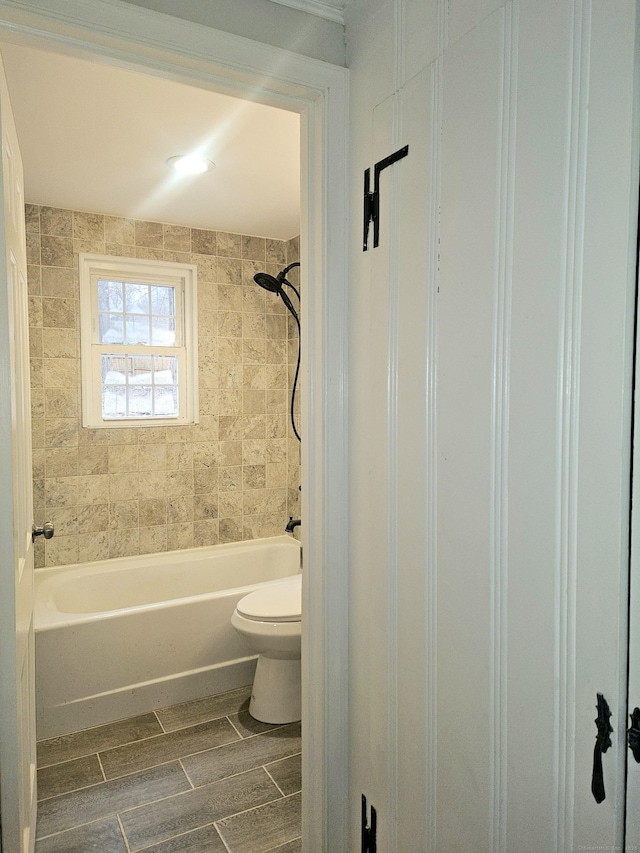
x,y
17,718
491,353
539,217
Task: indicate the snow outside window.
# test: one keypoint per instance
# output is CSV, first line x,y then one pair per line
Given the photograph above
x,y
138,337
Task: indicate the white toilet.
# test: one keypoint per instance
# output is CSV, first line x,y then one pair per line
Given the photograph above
x,y
270,620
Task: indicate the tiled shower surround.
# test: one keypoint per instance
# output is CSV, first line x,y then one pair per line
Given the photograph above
x,y
120,492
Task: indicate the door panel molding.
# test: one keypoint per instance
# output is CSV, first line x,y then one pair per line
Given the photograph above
x,y
431,426
568,424
498,496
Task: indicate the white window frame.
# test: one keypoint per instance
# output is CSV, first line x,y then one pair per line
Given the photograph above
x,y
181,276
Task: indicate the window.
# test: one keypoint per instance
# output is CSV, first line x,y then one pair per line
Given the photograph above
x,y
138,334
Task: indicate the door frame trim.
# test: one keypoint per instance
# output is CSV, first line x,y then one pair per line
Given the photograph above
x,y
139,39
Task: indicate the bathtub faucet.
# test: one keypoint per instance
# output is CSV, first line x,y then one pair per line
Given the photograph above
x,y
292,524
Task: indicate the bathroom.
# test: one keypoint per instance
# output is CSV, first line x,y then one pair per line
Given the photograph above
x,y
235,475
467,404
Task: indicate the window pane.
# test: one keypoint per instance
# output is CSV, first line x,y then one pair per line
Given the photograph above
x,y
114,370
139,386
163,331
114,401
111,328
139,369
140,401
165,400
131,313
137,329
165,370
136,298
110,295
162,300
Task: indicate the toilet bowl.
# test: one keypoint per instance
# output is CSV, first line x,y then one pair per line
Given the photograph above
x,y
270,620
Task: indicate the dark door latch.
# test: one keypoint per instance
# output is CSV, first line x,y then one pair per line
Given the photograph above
x,y
603,742
633,734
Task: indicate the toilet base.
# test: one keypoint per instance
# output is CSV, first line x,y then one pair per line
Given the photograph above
x,y
276,696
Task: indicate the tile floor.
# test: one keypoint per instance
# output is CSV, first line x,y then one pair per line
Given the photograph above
x,y
201,777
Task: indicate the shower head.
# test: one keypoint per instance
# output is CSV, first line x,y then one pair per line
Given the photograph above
x,y
268,282
274,285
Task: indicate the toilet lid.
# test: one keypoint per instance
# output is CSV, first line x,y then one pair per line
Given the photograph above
x,y
278,602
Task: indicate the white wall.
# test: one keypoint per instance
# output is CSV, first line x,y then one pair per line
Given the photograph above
x,y
263,21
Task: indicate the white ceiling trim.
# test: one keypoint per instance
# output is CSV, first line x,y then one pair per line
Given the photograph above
x,y
332,10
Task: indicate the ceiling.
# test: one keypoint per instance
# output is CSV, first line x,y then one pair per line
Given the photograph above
x,y
96,138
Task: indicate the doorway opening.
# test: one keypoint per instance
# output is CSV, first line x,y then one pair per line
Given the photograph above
x,y
319,95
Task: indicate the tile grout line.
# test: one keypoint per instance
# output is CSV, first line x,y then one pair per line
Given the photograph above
x,y
155,714
264,767
279,847
221,837
184,770
104,775
236,729
124,834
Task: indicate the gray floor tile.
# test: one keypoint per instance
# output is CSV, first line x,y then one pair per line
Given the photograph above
x,y
287,774
242,755
104,836
158,822
68,810
88,741
263,828
166,747
201,710
205,840
69,776
247,726
149,790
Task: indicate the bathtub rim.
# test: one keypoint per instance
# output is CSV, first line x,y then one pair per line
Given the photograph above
x,y
48,618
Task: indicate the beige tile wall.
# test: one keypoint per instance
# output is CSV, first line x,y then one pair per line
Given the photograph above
x,y
118,492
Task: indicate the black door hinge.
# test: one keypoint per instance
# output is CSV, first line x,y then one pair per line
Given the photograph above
x,y
369,841
372,199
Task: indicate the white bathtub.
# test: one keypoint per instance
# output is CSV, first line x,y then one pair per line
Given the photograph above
x,y
122,637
